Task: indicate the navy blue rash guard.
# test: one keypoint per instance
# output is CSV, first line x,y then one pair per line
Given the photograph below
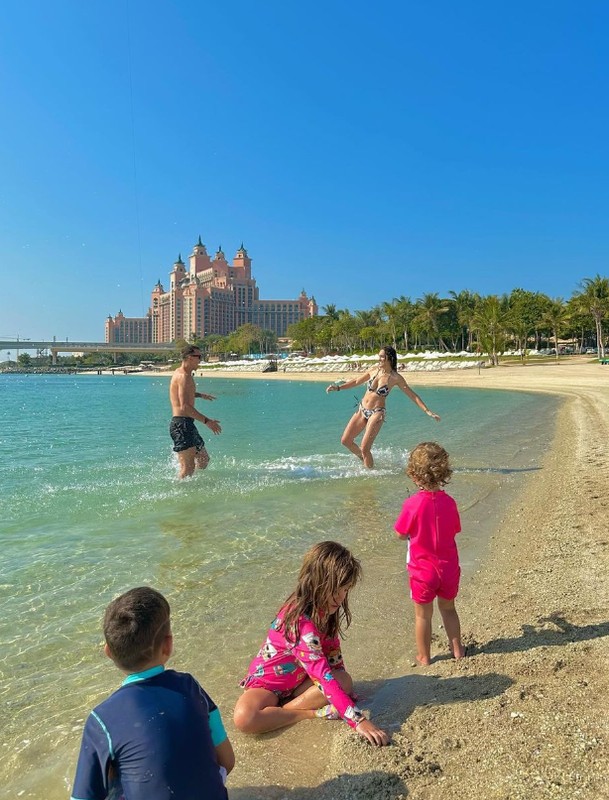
x,y
159,732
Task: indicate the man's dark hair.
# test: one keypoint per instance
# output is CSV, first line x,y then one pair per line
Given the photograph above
x,y
135,625
190,350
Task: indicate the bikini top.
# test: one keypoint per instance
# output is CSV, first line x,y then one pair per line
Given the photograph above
x,y
382,391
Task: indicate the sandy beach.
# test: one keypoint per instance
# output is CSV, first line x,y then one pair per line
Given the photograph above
x,y
527,713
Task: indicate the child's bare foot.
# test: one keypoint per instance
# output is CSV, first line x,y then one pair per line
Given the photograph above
x,y
423,661
327,712
458,652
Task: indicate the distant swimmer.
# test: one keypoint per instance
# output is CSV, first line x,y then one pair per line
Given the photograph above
x,y
187,442
371,411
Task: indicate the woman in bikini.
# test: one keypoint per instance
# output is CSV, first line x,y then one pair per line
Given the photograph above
x,y
371,411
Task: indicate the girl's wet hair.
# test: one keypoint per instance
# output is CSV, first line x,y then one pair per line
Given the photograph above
x,y
428,465
392,355
327,568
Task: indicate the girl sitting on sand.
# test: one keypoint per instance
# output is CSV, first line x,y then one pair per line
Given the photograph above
x,y
299,672
430,521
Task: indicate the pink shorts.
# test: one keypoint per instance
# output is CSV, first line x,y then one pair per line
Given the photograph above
x,y
252,682
426,585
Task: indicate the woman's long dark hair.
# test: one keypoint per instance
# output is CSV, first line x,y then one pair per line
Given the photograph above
x,y
327,568
391,355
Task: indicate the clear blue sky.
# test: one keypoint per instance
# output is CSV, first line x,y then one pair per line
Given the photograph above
x,y
360,150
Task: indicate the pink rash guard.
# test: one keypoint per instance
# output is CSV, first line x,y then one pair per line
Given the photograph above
x,y
430,521
282,665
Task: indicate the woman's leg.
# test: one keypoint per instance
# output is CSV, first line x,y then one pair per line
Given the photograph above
x,y
355,426
452,626
372,429
422,631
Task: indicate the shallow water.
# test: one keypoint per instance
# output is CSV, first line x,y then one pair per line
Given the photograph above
x,y
90,506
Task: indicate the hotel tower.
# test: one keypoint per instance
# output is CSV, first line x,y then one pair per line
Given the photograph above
x,y
208,296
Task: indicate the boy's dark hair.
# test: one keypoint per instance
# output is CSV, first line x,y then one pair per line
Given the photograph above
x,y
189,350
135,625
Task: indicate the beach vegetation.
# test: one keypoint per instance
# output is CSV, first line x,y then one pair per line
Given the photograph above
x,y
593,299
465,303
556,317
462,322
244,341
491,324
431,309
465,321
526,310
330,311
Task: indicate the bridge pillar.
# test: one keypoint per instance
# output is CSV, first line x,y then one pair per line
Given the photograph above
x,y
114,356
54,357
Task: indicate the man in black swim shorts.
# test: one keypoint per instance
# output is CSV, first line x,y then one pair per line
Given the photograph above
x,y
185,434
187,442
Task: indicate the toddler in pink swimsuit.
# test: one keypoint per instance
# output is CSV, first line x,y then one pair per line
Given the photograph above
x,y
430,522
299,672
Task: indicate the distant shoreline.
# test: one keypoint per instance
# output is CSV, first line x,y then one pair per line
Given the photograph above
x,y
295,374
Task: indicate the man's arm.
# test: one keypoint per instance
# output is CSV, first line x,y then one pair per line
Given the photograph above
x,y
182,394
185,396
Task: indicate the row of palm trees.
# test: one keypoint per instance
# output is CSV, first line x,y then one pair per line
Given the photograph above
x,y
465,320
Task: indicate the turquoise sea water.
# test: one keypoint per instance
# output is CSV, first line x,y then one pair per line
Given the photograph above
x,y
90,506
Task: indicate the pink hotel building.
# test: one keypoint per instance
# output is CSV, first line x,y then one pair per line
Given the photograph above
x,y
210,296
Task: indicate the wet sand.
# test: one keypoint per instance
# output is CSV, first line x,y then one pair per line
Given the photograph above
x,y
527,713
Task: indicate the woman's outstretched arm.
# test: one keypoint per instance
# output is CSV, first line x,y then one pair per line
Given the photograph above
x,y
334,387
401,383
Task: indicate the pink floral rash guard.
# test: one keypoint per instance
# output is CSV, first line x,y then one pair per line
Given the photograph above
x,y
282,665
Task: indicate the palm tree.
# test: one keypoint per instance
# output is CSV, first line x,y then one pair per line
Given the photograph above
x,y
429,310
367,318
526,311
331,311
556,318
406,312
391,314
304,333
346,330
594,299
490,322
465,304
581,324
369,335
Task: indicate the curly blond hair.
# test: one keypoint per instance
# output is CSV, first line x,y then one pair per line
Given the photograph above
x,y
428,466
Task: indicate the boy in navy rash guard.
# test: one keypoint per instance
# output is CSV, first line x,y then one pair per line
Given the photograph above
x,y
159,736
